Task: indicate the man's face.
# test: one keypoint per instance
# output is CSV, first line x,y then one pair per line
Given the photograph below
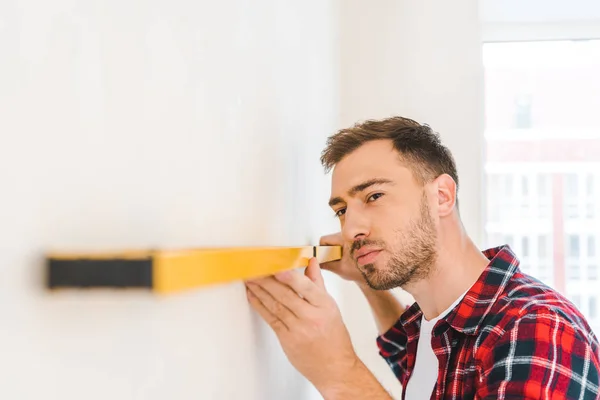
x,y
384,212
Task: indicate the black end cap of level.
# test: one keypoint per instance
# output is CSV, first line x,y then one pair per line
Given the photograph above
x,y
120,273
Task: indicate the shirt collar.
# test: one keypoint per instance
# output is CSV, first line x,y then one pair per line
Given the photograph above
x,y
467,316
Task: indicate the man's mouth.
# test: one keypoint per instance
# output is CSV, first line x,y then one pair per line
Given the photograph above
x,y
367,257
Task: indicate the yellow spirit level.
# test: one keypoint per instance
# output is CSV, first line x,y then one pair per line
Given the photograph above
x,y
177,270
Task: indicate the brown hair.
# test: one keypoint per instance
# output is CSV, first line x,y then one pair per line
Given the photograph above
x,y
419,146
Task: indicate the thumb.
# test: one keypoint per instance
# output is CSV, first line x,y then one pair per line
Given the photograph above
x,y
313,272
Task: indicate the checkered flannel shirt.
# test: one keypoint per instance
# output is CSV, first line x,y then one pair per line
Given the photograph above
x,y
510,337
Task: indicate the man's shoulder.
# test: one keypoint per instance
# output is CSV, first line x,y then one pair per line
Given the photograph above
x,y
527,301
532,338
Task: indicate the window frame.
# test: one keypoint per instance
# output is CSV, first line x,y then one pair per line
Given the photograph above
x,y
521,29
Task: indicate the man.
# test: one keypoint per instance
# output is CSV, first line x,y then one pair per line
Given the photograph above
x,y
480,327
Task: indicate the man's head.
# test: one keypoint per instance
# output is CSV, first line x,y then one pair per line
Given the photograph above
x,y
393,184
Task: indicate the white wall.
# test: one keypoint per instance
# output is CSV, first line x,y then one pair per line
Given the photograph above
x,y
138,124
420,60
156,124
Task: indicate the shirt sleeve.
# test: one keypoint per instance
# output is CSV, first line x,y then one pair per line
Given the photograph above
x,y
392,347
541,356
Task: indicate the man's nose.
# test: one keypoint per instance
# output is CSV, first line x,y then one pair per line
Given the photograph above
x,y
356,225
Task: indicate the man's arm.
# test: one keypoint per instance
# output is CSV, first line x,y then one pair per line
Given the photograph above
x,y
359,384
385,307
540,356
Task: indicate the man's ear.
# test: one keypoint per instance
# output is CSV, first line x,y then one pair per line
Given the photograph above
x,y
446,194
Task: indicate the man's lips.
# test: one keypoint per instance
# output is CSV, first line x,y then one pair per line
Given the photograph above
x,y
367,256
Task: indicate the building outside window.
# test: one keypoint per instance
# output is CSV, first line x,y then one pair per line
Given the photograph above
x,y
542,168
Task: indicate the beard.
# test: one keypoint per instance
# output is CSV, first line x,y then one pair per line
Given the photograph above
x,y
412,258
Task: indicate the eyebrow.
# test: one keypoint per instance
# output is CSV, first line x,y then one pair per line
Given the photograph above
x,y
359,188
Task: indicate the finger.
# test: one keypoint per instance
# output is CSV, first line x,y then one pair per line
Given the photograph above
x,y
275,323
278,310
285,295
304,286
331,265
313,272
334,239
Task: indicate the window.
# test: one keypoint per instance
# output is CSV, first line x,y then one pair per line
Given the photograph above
x,y
573,246
592,312
495,197
571,186
572,211
509,239
545,273
571,199
508,185
544,196
576,299
574,271
589,211
523,111
592,272
524,186
542,139
543,186
590,185
590,206
525,246
543,252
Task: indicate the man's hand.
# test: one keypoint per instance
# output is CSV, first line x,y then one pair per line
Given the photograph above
x,y
385,306
346,268
308,324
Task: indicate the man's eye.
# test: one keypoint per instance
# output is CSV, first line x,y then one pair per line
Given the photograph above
x,y
340,212
374,196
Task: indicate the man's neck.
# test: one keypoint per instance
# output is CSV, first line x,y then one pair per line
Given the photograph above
x,y
458,266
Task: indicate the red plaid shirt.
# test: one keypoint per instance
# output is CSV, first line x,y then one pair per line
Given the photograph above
x,y
510,337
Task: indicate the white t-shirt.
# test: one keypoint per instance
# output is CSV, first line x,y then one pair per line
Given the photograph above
x,y
425,373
